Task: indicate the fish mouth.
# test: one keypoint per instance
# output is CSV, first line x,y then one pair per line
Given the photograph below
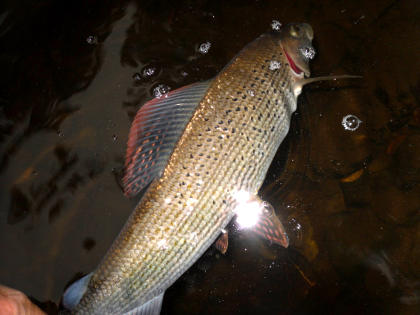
x,y
296,70
292,64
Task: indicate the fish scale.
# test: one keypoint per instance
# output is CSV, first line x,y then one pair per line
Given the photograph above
x,y
227,146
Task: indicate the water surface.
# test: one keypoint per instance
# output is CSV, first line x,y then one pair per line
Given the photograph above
x,y
73,76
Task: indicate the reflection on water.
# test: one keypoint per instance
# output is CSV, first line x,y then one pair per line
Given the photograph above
x,y
346,181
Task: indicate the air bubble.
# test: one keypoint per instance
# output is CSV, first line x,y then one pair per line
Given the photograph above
x,y
92,40
148,71
204,48
251,92
275,25
161,90
136,76
274,65
307,52
359,20
351,122
296,226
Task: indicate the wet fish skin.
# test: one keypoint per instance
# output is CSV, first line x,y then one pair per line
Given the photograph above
x,y
227,146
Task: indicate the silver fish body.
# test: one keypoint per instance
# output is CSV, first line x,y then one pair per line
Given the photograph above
x,y
226,147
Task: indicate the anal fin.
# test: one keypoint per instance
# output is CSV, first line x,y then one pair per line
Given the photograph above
x,y
151,307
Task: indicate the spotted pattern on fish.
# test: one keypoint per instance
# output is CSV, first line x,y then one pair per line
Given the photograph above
x,y
227,145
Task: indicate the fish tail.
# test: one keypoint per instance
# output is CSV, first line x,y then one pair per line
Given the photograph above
x,y
75,292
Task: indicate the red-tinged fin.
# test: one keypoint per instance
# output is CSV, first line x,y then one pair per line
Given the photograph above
x,y
222,243
154,132
270,227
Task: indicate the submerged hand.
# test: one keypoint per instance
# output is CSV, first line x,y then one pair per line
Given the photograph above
x,y
14,302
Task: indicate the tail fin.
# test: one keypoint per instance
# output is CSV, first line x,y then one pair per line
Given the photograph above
x,y
75,292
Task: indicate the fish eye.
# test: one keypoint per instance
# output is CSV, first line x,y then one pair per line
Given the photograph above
x,y
295,31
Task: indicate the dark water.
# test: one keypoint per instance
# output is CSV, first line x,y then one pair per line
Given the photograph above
x,y
72,77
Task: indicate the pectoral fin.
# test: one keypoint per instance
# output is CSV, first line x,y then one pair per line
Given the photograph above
x,y
259,216
297,86
270,227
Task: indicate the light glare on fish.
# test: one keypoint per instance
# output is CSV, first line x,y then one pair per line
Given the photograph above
x,y
247,210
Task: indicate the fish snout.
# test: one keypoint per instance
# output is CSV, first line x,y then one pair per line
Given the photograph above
x,y
296,41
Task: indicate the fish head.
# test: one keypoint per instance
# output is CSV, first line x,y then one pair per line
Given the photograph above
x,y
296,41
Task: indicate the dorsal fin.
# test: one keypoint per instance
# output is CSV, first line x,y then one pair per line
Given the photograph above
x,y
155,130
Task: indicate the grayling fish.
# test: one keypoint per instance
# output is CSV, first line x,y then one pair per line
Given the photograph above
x,y
205,150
